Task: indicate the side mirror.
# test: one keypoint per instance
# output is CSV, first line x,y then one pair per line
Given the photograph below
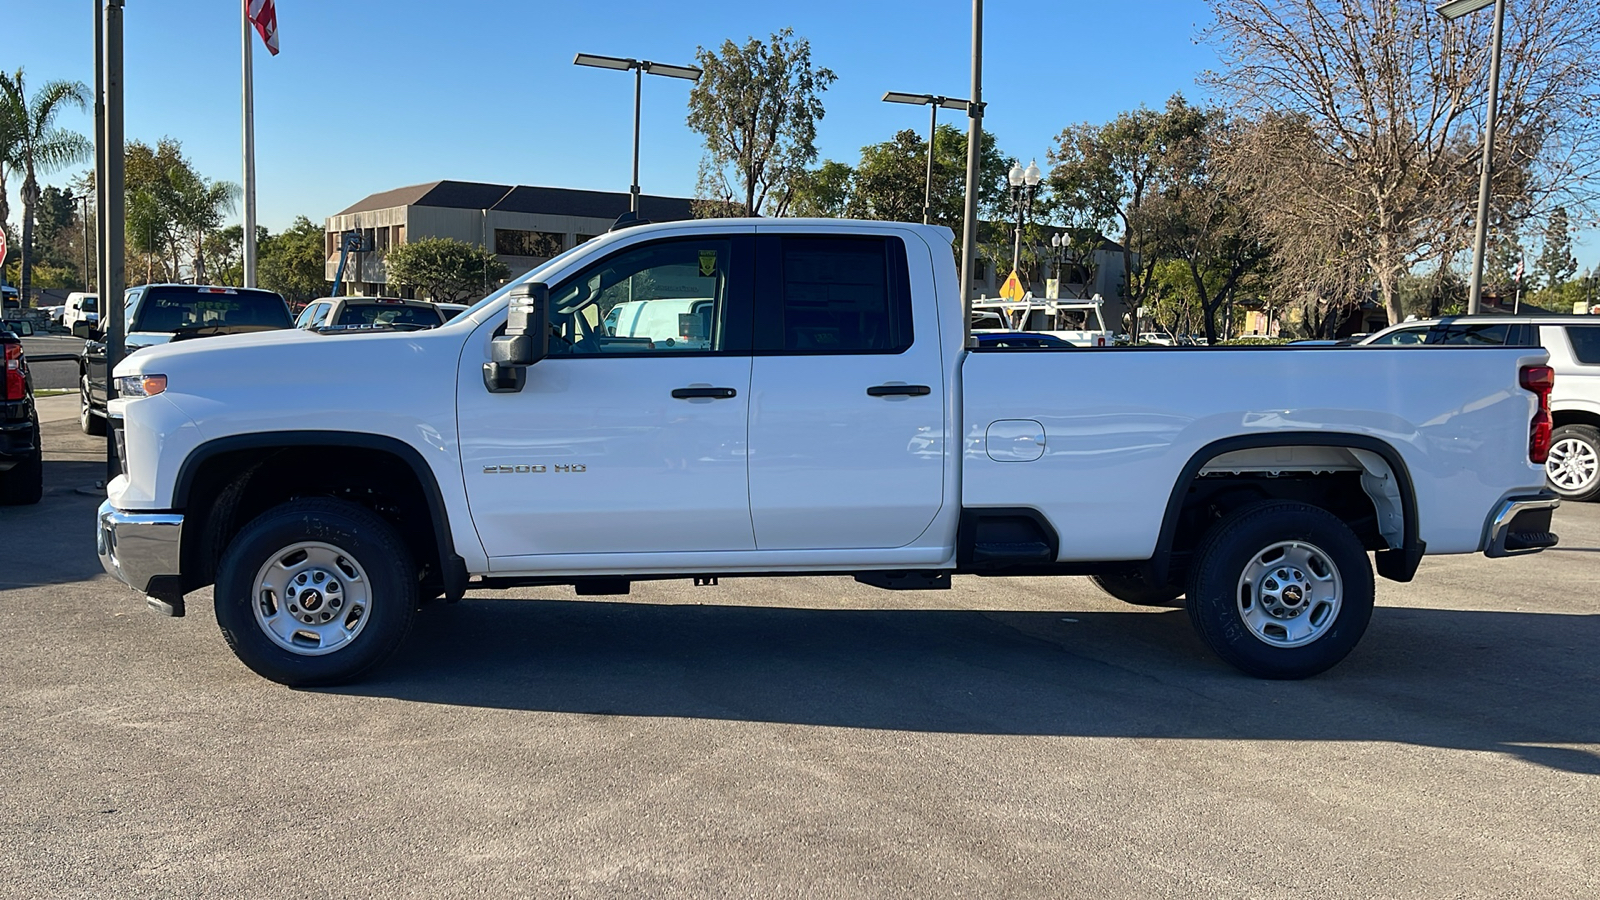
x,y
526,341
81,330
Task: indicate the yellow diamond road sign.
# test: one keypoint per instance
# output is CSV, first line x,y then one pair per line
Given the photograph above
x,y
1013,288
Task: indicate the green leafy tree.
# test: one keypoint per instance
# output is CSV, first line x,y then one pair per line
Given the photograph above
x,y
1556,263
36,145
757,106
823,192
445,269
291,262
1114,176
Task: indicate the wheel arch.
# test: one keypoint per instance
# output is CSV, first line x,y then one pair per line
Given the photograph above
x,y
1397,563
1575,416
227,463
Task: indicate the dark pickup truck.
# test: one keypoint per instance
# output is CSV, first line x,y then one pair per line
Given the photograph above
x,y
21,459
165,313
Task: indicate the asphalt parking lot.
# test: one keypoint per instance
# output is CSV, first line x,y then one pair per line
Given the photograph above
x,y
814,737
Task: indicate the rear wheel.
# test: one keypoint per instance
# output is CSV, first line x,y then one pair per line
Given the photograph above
x,y
315,592
23,484
87,420
1281,590
1573,468
1137,590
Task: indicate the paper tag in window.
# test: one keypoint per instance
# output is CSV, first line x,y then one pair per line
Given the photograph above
x,y
708,263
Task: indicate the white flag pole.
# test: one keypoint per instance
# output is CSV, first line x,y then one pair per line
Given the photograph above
x,y
249,237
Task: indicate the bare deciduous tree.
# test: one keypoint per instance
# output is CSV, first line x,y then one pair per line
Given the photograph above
x,y
1371,117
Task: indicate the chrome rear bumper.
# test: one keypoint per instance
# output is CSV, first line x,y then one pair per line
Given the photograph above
x,y
142,551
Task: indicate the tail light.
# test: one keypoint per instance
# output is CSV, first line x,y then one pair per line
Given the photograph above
x,y
1539,380
16,373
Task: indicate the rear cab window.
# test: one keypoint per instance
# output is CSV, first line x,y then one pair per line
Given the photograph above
x,y
178,310
399,315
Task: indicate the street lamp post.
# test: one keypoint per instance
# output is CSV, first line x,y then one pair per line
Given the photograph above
x,y
639,67
1453,10
933,102
85,217
1024,189
1063,247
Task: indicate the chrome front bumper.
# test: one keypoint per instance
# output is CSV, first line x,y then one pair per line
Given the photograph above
x,y
1521,525
142,551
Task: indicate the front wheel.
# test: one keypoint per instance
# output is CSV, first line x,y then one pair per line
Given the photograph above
x,y
1281,590
1573,468
87,420
315,592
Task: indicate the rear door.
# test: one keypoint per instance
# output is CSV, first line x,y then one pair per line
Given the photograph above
x,y
847,392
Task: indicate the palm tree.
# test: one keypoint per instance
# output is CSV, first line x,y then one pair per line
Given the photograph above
x,y
39,146
8,144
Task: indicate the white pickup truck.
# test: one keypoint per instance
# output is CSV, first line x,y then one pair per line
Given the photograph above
x,y
823,417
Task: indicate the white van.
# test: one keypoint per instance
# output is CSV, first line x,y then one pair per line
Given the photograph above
x,y
670,321
81,307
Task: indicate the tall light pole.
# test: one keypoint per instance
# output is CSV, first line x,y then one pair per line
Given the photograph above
x,y
933,102
639,67
85,219
969,215
1024,188
1453,10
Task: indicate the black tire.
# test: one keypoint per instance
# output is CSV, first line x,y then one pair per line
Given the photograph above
x,y
87,420
1237,619
23,484
369,553
1136,590
1573,470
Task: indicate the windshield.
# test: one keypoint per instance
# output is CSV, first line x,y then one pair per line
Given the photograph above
x,y
180,310
88,304
373,314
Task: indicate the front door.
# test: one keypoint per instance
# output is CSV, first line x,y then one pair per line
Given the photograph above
x,y
847,395
624,440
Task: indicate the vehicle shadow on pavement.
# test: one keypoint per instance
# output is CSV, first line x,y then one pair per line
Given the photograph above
x,y
53,541
1516,683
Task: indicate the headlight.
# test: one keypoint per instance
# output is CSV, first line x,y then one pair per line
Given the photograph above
x,y
136,386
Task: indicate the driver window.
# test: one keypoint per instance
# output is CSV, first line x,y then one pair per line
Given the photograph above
x,y
662,298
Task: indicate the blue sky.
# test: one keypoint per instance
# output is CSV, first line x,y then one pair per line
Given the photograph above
x,y
368,96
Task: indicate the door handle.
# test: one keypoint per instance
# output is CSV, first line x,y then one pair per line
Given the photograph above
x,y
899,390
694,393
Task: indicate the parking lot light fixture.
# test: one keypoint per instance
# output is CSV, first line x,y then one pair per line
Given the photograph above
x,y
639,67
934,103
1451,11
1455,9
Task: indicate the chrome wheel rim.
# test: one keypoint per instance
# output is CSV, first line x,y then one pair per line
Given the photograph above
x,y
311,598
1289,594
1573,465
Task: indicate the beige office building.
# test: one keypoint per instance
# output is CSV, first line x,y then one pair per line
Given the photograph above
x,y
523,225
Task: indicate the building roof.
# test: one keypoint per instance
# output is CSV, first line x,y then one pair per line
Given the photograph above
x,y
524,199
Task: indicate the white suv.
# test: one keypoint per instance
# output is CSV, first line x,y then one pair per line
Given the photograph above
x,y
1574,346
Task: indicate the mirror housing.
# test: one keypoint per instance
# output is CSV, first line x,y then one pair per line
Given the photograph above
x,y
81,329
525,342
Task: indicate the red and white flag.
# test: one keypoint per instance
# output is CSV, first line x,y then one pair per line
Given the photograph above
x,y
264,15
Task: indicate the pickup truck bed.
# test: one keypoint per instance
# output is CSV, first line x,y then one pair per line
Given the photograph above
x,y
821,415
